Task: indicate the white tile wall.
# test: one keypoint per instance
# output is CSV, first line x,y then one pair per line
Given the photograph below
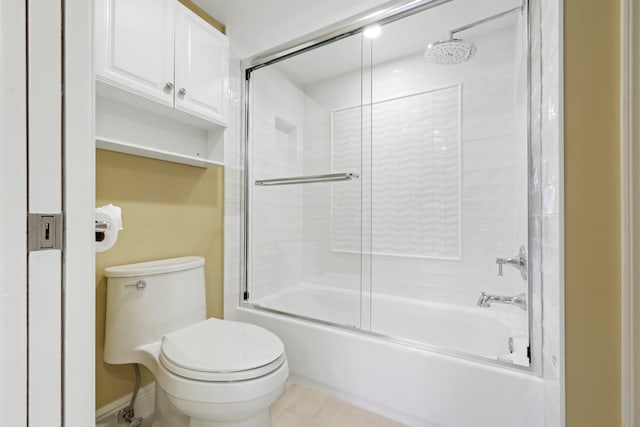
x,y
415,159
494,173
546,122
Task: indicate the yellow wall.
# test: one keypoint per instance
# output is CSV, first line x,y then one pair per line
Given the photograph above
x,y
592,209
168,210
204,15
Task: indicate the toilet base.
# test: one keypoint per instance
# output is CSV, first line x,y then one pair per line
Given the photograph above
x,y
167,415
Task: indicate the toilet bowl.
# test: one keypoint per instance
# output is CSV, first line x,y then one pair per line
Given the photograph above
x,y
208,372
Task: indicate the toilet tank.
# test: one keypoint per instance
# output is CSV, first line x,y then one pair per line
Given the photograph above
x,y
148,300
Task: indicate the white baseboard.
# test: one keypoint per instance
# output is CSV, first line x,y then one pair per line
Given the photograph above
x,y
106,416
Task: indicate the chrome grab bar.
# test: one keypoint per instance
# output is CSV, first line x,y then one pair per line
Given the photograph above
x,y
346,176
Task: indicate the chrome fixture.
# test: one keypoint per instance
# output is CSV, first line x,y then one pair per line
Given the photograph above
x,y
458,51
520,261
387,12
451,51
168,86
127,414
182,91
140,284
102,226
486,300
346,176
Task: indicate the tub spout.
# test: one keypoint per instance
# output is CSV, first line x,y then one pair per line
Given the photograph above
x,y
486,300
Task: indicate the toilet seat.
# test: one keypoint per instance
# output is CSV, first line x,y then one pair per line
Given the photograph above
x,y
221,351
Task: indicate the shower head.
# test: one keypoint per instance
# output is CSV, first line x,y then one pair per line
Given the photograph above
x,y
458,51
452,51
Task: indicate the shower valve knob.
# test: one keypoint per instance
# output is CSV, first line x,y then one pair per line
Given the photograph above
x,y
520,262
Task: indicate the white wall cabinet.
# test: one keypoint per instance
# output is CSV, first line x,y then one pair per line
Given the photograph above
x,y
159,65
135,46
201,66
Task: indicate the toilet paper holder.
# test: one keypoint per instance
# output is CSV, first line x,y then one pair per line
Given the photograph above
x,y
107,225
101,228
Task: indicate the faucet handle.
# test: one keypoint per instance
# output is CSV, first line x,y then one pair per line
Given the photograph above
x,y
520,262
500,262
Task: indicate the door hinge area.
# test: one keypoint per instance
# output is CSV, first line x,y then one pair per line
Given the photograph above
x,y
45,231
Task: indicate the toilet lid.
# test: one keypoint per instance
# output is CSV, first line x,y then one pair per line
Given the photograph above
x,y
222,350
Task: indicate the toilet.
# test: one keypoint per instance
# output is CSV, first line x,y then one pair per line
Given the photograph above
x,y
208,372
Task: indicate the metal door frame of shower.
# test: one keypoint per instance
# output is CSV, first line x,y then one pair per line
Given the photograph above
x,y
386,13
630,205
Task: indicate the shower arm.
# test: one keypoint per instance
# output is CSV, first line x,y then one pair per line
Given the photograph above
x,y
484,20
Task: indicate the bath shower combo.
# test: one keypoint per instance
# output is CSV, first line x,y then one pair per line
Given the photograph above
x,y
380,189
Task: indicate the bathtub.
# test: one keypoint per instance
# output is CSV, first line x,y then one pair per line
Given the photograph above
x,y
497,333
403,377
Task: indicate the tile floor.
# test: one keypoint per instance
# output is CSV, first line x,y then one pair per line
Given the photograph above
x,y
303,406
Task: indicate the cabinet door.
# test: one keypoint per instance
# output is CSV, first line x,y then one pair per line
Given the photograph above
x,y
202,67
135,46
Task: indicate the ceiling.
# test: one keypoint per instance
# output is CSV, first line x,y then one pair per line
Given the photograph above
x,y
257,25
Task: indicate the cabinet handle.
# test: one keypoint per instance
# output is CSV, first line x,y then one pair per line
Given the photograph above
x,y
182,91
168,86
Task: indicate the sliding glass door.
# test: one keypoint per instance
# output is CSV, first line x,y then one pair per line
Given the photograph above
x,y
387,182
307,159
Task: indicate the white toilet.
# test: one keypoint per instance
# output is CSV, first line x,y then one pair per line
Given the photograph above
x,y
208,372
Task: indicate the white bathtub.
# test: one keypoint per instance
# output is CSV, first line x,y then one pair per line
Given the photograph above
x,y
413,385
497,333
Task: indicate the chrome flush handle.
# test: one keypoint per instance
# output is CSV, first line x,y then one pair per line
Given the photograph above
x,y
140,284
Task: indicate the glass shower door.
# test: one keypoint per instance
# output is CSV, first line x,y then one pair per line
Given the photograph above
x,y
305,189
388,184
449,188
